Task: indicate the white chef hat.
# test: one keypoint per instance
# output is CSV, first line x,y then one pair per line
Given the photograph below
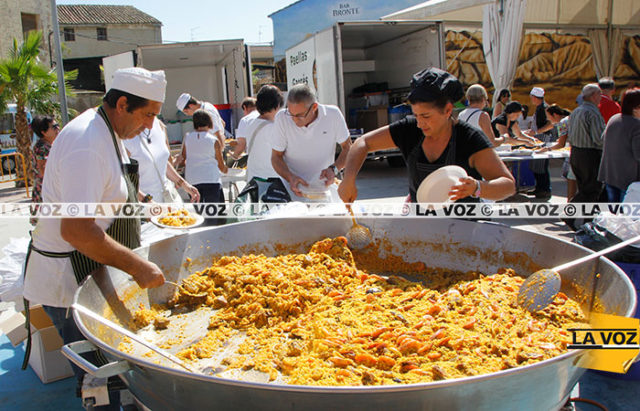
x,y
537,92
182,101
140,82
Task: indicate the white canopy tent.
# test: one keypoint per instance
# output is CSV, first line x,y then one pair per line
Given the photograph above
x,y
504,21
502,33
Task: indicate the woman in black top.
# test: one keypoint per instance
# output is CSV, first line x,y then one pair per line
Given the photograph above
x,y
430,139
506,124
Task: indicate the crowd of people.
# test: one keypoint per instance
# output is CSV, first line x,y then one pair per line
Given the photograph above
x,y
119,153
292,151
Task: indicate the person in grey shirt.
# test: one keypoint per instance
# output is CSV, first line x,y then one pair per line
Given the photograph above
x,y
586,126
620,164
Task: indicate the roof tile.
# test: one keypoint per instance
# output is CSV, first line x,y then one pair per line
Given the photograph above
x,y
102,14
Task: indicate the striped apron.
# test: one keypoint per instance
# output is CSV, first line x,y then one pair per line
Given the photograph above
x,y
125,231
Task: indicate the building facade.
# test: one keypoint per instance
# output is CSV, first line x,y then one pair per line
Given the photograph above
x,y
91,32
21,16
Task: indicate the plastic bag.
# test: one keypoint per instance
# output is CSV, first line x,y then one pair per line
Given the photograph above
x,y
597,238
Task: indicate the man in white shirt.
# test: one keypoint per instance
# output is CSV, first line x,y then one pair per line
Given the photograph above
x,y
305,138
88,164
256,136
189,104
250,113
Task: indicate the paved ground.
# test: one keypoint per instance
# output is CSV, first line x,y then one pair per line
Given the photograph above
x,y
377,182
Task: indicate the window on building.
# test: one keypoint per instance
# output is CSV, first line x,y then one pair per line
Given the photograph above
x,y
69,34
29,23
101,33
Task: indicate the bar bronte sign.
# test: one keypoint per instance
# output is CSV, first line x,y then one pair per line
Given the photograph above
x,y
344,9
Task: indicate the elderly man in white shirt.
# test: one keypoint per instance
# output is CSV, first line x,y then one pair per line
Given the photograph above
x,y
305,138
88,163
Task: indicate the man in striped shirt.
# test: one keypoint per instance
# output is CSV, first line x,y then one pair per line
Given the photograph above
x,y
586,126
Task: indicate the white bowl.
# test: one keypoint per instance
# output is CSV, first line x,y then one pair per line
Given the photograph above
x,y
435,188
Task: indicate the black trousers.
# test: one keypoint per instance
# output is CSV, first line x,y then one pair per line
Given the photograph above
x,y
211,193
585,163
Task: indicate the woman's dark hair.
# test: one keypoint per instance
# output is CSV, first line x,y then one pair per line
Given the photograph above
x,y
40,124
133,102
525,110
630,101
513,107
439,103
504,92
269,98
558,111
202,119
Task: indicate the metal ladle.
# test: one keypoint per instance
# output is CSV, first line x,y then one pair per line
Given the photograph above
x,y
358,235
541,287
134,337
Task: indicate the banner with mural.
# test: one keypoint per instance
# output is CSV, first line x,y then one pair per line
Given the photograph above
x,y
560,63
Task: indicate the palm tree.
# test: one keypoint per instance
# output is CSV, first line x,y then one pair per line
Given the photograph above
x,y
24,80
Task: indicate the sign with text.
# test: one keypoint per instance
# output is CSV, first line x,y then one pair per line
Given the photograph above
x,y
345,9
301,61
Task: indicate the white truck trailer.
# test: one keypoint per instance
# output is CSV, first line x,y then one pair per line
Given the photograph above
x,y
365,68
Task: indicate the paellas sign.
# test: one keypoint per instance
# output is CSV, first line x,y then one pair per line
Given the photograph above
x,y
344,9
301,64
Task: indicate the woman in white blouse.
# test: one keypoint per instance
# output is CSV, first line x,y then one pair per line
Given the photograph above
x,y
201,150
157,176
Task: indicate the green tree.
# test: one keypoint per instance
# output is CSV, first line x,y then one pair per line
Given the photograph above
x,y
28,83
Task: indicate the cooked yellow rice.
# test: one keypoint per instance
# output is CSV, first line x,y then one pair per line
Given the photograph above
x,y
317,319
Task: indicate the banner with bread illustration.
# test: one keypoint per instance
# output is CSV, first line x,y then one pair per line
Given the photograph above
x,y
559,63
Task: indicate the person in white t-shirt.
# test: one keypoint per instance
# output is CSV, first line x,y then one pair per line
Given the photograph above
x,y
189,104
305,138
151,149
257,134
476,116
204,164
88,164
250,114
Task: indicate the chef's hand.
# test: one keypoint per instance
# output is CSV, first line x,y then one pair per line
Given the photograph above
x,y
192,191
328,176
148,275
294,180
348,191
466,188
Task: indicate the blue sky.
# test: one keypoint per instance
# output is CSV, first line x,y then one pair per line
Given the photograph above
x,y
189,20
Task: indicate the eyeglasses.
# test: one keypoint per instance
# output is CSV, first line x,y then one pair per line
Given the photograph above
x,y
299,115
56,126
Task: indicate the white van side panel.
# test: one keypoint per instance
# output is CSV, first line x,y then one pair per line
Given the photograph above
x,y
398,59
327,68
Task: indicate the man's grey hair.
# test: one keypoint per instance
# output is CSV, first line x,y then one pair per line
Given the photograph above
x,y
301,93
590,89
476,93
606,83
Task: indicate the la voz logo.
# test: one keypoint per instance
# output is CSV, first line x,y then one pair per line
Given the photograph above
x,y
604,338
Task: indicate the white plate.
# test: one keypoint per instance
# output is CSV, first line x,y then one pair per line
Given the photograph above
x,y
435,188
521,152
198,217
236,172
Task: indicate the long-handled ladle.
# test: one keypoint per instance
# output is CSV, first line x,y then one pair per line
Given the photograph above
x,y
541,287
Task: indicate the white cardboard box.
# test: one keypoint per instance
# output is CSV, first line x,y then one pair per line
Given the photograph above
x,y
13,327
46,359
